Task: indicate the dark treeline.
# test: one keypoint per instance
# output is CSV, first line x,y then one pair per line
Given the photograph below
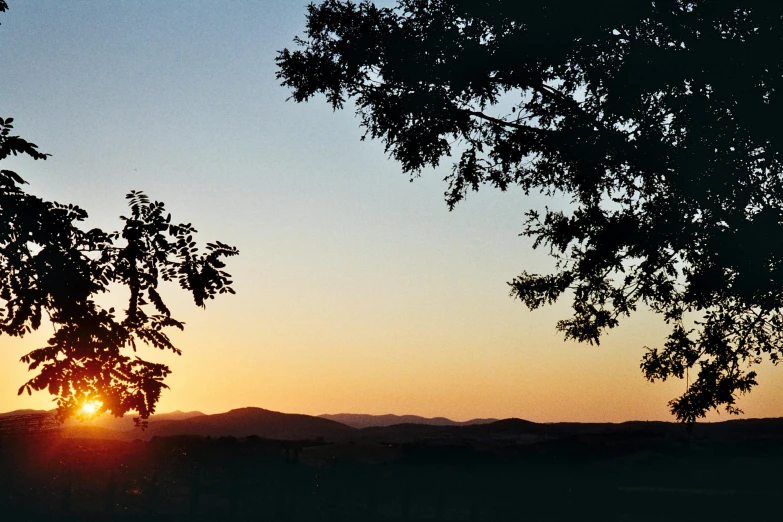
x,y
629,476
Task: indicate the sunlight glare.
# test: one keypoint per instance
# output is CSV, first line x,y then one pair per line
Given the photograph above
x,y
90,407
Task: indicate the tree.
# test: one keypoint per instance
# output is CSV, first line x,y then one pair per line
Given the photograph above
x,y
659,120
49,266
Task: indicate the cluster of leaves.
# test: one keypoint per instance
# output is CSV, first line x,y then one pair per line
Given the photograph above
x,y
657,119
49,266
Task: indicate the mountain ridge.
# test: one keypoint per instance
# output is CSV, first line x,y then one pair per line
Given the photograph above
x,y
364,420
268,424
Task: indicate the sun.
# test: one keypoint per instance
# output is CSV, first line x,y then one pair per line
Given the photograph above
x,y
91,407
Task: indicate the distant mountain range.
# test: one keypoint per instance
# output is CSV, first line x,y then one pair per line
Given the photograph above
x,y
107,421
362,420
244,422
20,412
126,423
241,422
396,429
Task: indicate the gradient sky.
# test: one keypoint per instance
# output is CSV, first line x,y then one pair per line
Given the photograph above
x,y
357,291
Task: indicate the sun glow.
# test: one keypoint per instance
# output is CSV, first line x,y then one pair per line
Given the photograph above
x,y
91,407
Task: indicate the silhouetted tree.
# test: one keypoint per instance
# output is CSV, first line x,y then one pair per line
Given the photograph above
x,y
659,120
51,267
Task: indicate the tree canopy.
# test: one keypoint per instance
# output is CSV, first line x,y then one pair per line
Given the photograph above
x,y
658,120
50,269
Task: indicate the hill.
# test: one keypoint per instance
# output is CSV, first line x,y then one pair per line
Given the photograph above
x,y
107,422
506,431
244,422
20,412
362,420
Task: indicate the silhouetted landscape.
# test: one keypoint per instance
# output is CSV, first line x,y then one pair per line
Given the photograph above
x,y
259,422
360,420
636,144
256,464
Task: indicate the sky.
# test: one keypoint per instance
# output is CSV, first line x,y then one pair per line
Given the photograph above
x,y
357,290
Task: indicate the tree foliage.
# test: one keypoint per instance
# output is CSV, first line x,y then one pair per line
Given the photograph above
x,y
52,269
659,120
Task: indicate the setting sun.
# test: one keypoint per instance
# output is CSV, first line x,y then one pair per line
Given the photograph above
x,y
91,407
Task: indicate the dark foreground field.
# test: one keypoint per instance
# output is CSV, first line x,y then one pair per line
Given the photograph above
x,y
622,476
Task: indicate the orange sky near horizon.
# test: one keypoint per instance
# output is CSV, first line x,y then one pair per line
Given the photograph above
x,y
461,366
357,291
